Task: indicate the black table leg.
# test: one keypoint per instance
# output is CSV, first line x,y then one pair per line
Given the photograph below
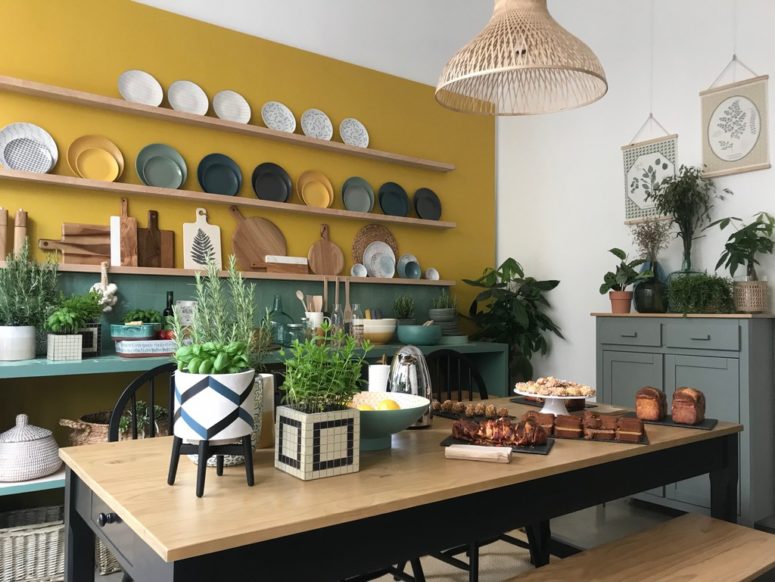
x,y
539,536
177,442
201,469
723,483
79,539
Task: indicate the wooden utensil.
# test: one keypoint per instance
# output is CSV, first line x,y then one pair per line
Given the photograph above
x,y
325,294
255,238
336,291
300,296
316,303
325,258
348,309
74,231
201,241
3,234
155,248
123,238
78,253
19,231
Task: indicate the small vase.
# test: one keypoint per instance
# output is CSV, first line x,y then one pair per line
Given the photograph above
x,y
651,296
751,296
621,301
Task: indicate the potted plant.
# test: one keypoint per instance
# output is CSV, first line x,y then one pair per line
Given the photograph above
x,y
512,310
701,293
687,198
27,294
403,309
216,357
741,249
65,324
615,283
317,434
443,307
651,236
88,309
142,411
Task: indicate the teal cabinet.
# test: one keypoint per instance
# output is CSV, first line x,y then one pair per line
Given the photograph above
x,y
729,358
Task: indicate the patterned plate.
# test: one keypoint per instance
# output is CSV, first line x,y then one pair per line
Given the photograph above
x,y
277,116
28,148
382,266
315,123
188,97
354,133
140,87
231,106
377,247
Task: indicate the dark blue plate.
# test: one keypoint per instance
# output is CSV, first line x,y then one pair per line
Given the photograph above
x,y
393,199
219,174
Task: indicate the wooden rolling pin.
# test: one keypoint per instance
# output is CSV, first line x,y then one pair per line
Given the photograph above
x,y
19,231
478,453
3,233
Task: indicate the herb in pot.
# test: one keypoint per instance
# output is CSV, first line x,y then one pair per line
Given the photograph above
x,y
403,307
27,290
700,293
143,316
746,243
443,301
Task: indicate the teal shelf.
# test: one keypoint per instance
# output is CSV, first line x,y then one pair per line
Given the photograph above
x,y
54,481
41,367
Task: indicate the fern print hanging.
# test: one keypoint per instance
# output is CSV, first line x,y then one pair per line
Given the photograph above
x,y
201,242
202,248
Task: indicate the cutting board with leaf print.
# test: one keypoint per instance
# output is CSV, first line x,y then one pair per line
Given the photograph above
x,y
201,240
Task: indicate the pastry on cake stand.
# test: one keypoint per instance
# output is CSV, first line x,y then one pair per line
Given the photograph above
x,y
552,404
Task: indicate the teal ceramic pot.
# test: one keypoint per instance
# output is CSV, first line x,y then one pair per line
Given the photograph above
x,y
419,335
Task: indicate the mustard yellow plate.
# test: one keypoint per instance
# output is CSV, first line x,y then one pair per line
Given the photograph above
x,y
95,157
316,189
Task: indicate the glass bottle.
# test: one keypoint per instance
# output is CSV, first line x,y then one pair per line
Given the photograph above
x,y
279,321
337,318
167,313
357,323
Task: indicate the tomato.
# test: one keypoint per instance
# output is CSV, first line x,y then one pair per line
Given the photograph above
x,y
167,334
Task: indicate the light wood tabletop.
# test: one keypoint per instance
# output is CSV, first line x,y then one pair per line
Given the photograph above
x,y
130,476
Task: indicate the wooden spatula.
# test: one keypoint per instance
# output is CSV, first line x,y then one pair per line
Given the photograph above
x,y
348,309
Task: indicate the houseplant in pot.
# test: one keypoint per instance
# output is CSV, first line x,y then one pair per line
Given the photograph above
x,y
741,249
615,283
443,307
27,294
322,375
687,199
64,342
511,309
651,236
216,358
701,293
403,309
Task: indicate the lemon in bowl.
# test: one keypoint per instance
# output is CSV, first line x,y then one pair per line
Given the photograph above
x,y
391,412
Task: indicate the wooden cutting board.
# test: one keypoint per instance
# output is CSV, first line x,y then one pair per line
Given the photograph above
x,y
3,234
19,231
200,241
155,248
78,254
324,257
123,238
255,238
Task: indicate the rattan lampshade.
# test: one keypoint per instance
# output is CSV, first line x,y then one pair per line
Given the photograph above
x,y
522,63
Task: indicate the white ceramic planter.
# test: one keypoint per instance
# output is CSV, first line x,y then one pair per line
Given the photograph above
x,y
64,347
323,444
213,407
17,343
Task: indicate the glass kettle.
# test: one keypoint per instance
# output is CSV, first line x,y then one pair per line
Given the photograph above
x,y
409,374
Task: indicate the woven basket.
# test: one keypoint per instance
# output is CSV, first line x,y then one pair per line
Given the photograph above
x,y
90,429
751,296
27,452
32,545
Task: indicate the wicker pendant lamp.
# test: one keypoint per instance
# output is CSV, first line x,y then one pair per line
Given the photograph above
x,y
522,63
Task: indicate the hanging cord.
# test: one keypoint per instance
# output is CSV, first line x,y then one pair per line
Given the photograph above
x,y
732,63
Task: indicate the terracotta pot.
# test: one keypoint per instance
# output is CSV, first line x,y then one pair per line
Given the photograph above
x,y
621,301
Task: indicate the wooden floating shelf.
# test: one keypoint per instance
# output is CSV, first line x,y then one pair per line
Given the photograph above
x,y
35,89
121,188
250,275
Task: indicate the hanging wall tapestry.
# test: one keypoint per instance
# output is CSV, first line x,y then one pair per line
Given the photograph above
x,y
646,164
734,128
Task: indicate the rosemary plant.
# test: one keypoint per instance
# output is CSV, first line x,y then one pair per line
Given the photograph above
x,y
403,307
443,301
27,290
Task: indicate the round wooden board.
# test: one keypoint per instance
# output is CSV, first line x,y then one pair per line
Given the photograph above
x,y
255,238
325,257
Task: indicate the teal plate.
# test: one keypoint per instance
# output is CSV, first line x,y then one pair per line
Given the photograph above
x,y
219,174
393,199
160,165
358,195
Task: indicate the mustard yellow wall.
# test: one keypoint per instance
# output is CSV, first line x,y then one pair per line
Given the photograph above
x,y
87,44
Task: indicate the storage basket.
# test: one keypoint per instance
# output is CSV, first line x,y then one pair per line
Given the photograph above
x,y
750,296
32,545
89,429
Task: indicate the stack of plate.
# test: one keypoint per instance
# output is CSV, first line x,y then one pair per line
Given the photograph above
x,y
219,174
27,148
409,267
427,204
393,199
379,260
96,158
271,182
160,165
358,195
316,189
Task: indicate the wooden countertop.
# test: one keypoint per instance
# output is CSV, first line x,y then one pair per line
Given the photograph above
x,y
689,315
130,476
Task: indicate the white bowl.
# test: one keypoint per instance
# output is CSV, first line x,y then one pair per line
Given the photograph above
x,y
358,270
379,331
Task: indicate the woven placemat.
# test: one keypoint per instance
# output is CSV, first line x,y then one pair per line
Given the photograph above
x,y
367,235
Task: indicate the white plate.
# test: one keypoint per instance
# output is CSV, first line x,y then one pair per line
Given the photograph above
x,y
187,97
278,117
372,249
402,264
140,87
383,266
315,123
28,148
354,133
231,106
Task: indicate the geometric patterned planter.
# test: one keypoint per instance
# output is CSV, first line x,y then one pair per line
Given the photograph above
x,y
322,444
64,347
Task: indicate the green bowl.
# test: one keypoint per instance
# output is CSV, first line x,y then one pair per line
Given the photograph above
x,y
378,425
419,335
134,332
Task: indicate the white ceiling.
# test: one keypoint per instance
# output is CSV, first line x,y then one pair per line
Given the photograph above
x,y
408,38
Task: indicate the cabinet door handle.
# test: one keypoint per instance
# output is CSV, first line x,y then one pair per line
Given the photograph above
x,y
705,338
633,334
104,519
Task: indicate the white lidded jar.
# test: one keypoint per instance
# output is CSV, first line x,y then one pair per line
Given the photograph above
x,y
27,452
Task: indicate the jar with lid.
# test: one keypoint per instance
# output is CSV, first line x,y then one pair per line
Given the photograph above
x,y
294,331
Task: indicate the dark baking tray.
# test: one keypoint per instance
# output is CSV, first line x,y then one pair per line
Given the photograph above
x,y
644,440
526,402
537,450
460,416
707,424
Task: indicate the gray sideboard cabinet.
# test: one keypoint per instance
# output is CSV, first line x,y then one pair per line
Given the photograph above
x,y
731,359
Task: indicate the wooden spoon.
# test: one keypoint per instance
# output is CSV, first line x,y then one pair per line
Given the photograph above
x,y
300,297
325,294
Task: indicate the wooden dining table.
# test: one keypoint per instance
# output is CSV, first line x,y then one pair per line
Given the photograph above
x,y
404,502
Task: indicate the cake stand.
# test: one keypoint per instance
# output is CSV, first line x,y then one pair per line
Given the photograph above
x,y
552,404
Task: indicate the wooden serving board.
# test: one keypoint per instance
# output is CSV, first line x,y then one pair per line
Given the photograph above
x,y
3,233
324,257
77,254
123,238
201,241
254,239
155,248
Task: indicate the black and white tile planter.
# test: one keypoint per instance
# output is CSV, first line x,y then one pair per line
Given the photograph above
x,y
316,445
64,347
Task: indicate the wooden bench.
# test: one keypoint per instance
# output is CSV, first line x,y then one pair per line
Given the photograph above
x,y
687,548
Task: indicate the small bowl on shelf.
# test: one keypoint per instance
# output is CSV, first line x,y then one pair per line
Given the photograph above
x,y
143,331
419,335
379,331
377,426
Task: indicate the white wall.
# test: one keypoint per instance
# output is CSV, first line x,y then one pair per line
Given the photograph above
x,y
560,177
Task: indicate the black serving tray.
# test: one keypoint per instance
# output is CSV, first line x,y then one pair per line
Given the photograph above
x,y
707,424
526,402
462,416
536,450
644,440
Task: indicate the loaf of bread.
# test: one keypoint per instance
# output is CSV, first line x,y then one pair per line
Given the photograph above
x,y
688,406
650,403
